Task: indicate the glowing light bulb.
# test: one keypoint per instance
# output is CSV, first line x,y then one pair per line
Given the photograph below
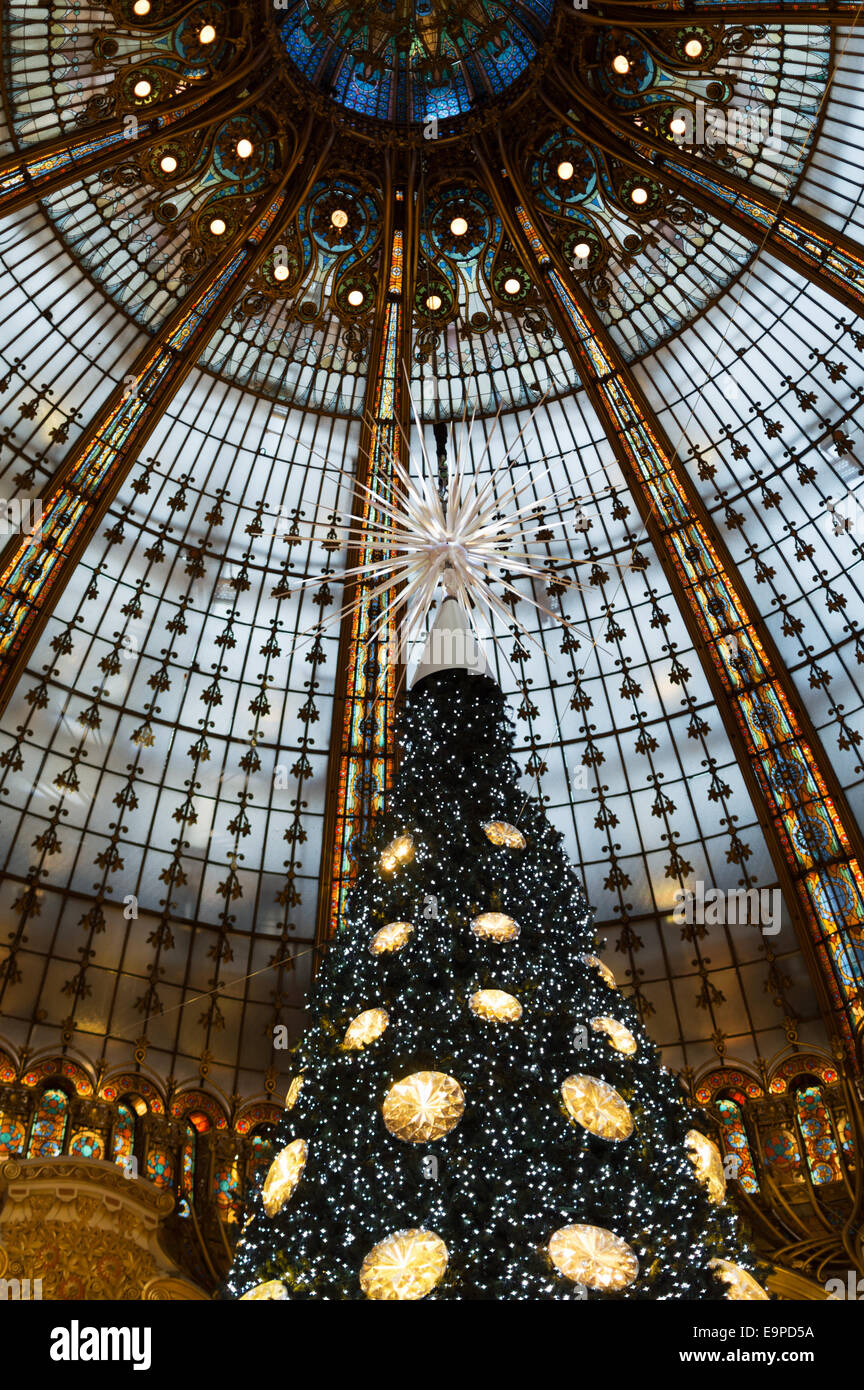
x,y
565,170
512,286
678,125
620,63
207,34
142,88
167,164
581,251
639,195
280,272
355,298
217,226
458,226
141,7
244,148
433,302
693,48
339,217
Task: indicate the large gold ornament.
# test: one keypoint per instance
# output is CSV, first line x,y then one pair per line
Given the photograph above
x,y
364,1029
495,1005
423,1106
399,851
495,926
620,1037
283,1176
706,1159
406,1266
293,1091
741,1287
500,833
597,1106
595,963
593,1256
272,1288
391,938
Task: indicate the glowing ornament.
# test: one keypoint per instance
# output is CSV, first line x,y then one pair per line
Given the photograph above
x,y
423,1106
293,1091
741,1286
391,938
399,851
272,1288
597,1107
693,48
355,298
620,1037
495,1005
283,1176
639,195
244,148
500,833
404,1267
142,89
495,926
595,963
593,1256
207,34
707,1161
365,1028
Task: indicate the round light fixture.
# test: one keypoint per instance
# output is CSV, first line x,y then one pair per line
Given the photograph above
x,y
141,7
281,272
207,34
495,926
620,63
355,298
391,938
597,1107
244,148
593,1256
423,1106
458,226
168,164
677,125
142,88
364,1029
565,170
693,48
639,195
581,251
217,226
339,218
512,286
283,1176
404,1267
433,302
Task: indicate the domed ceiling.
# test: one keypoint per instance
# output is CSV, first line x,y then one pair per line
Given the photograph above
x,y
243,246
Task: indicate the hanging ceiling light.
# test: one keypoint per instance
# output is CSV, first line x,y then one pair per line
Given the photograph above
x,y
677,125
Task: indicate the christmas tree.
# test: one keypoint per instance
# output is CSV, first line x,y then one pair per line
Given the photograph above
x,y
476,1111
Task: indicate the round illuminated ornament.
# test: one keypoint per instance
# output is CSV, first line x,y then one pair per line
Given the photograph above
x,y
168,164
512,286
207,34
423,1106
355,298
706,1159
281,272
581,251
293,1091
399,851
404,1267
639,195
339,218
621,64
244,148
391,938
593,1256
283,1176
218,227
740,1286
693,48
565,170
141,7
143,88
595,963
597,1107
678,125
495,1005
619,1037
270,1289
458,226
495,926
364,1029
433,302
499,831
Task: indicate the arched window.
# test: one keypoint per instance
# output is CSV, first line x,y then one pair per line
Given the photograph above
x,y
731,1115
48,1131
123,1136
12,1137
196,1123
160,1167
817,1134
87,1143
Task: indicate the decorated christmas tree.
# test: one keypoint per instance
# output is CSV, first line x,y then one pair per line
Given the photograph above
x,y
476,1111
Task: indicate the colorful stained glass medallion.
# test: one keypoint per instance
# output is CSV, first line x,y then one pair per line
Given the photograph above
x,y
49,1125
